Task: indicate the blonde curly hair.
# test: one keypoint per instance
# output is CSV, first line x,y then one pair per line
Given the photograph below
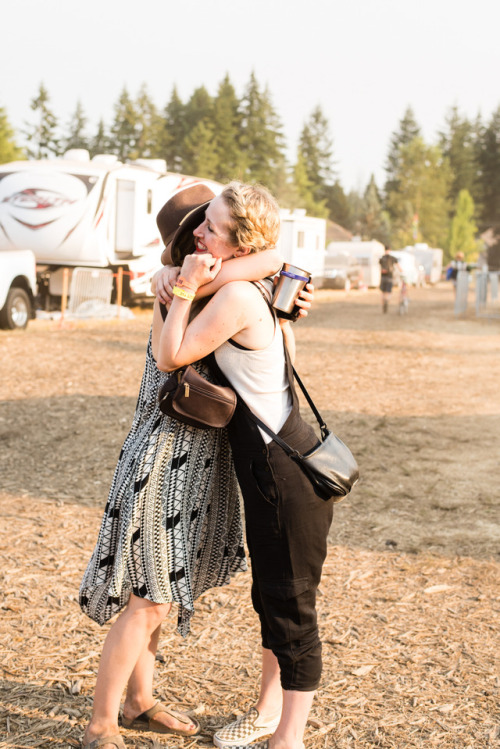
x,y
255,218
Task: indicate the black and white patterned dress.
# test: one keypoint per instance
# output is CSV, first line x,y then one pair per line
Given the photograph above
x,y
172,525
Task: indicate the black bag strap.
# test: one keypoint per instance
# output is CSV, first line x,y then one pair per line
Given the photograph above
x,y
319,418
322,425
284,445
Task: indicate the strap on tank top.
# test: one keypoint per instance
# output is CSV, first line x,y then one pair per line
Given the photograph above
x,y
266,296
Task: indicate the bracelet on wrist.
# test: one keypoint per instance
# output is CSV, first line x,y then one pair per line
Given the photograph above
x,y
183,293
183,284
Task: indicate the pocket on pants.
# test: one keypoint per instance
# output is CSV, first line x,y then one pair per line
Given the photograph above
x,y
284,590
264,480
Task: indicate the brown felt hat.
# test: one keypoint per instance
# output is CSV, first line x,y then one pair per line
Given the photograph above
x,y
183,240
179,206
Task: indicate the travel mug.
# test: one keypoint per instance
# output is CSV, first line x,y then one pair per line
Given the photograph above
x,y
291,281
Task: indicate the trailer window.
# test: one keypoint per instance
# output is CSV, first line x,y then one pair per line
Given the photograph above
x,y
150,201
300,239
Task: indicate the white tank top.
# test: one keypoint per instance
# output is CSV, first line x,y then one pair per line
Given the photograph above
x,y
259,377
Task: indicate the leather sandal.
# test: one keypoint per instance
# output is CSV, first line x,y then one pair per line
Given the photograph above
x,y
146,722
116,740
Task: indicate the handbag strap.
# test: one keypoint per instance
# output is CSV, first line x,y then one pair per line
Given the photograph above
x,y
322,425
319,418
284,445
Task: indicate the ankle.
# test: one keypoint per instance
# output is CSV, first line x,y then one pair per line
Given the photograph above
x,y
279,743
135,705
98,727
269,711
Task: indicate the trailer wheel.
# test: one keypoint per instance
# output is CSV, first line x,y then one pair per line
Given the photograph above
x,y
17,310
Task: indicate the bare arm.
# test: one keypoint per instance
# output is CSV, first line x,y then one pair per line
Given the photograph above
x,y
289,337
252,267
237,311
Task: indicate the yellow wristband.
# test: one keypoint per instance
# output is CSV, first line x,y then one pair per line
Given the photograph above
x,y
183,294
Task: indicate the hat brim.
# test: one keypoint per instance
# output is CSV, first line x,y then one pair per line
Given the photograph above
x,y
183,240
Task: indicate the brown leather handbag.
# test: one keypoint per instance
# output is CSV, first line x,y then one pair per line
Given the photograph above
x,y
188,397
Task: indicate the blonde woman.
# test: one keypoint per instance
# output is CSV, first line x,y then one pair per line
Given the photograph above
x,y
286,523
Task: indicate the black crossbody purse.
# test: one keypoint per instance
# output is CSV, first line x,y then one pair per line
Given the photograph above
x,y
330,466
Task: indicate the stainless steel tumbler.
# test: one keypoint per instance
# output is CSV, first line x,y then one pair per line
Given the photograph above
x,y
291,281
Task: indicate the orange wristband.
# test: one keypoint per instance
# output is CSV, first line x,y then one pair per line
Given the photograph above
x,y
183,284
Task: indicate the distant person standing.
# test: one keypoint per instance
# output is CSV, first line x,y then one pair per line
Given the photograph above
x,y
457,264
387,264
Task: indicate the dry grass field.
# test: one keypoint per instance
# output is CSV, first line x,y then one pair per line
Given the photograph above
x,y
410,600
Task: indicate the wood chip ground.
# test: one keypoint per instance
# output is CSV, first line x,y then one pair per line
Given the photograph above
x,y
409,604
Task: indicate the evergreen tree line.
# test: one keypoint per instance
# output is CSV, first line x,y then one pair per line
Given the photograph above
x,y
444,193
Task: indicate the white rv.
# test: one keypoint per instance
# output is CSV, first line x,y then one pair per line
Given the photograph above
x,y
367,253
431,258
76,211
302,242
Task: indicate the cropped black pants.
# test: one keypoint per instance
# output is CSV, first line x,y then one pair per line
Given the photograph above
x,y
287,528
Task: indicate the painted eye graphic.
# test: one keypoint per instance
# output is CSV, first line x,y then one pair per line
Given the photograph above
x,y
37,199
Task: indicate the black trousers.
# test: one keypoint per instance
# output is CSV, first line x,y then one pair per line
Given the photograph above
x,y
287,528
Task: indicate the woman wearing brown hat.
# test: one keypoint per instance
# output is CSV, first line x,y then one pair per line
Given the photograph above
x,y
286,524
159,544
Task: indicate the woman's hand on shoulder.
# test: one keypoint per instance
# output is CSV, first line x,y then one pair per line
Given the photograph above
x,y
200,268
164,281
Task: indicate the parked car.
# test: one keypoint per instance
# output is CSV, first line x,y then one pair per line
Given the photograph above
x,y
17,288
342,272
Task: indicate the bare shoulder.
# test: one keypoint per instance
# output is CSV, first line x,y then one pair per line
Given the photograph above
x,y
238,291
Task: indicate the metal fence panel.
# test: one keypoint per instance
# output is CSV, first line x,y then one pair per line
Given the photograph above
x,y
487,304
90,285
461,292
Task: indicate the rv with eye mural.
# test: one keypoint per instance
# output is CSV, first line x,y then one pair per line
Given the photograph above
x,y
75,211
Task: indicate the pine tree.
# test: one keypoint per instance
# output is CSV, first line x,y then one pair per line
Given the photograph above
x,y
149,126
76,136
374,221
316,148
198,146
42,139
261,140
457,143
356,211
99,144
489,159
9,151
174,132
408,130
198,107
337,204
305,191
125,129
463,229
227,124
200,157
419,207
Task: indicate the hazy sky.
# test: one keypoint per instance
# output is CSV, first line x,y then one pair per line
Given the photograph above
x,y
363,61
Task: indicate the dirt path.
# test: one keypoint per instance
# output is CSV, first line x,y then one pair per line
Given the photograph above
x,y
410,605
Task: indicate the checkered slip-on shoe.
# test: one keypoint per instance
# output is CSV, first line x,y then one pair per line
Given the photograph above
x,y
244,730
258,745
